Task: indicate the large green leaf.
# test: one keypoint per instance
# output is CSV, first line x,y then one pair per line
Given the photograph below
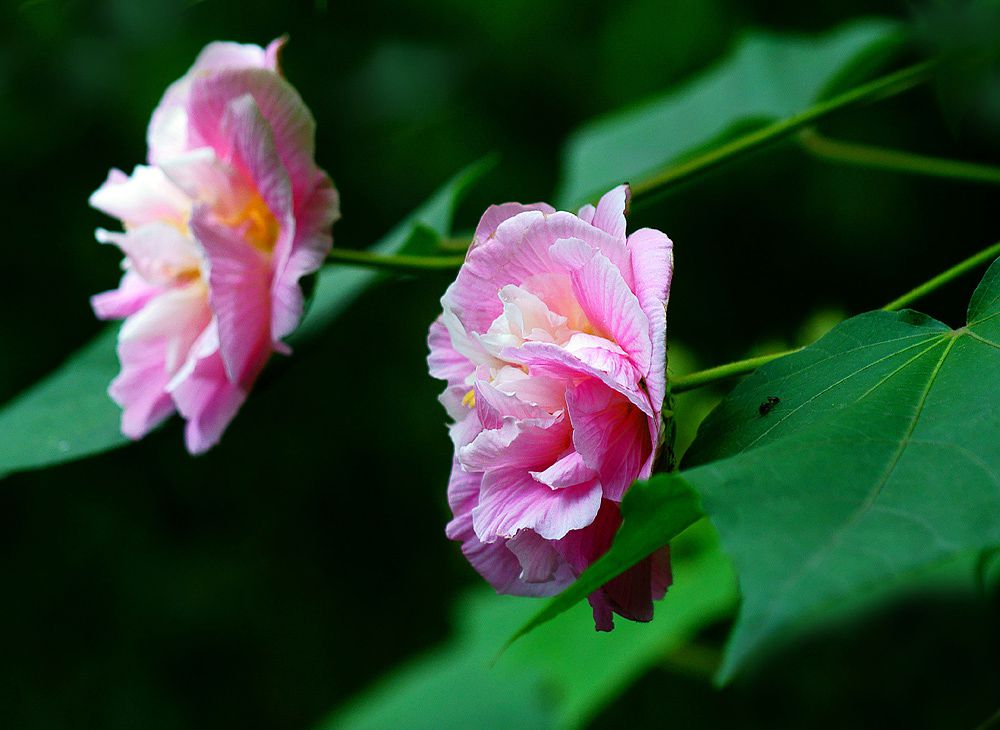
x,y
561,674
69,415
766,78
878,459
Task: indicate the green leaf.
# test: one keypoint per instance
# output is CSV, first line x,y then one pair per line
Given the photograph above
x,y
879,459
768,77
66,416
69,415
560,675
653,513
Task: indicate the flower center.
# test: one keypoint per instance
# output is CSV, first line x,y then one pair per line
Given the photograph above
x,y
257,222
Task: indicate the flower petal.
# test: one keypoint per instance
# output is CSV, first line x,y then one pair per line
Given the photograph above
x,y
240,294
143,197
132,294
204,395
653,267
611,211
510,500
611,435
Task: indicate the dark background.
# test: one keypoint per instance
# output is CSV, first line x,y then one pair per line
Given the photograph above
x,y
265,583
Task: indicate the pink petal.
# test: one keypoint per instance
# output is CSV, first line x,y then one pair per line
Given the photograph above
x,y
132,294
611,435
518,251
205,397
493,560
653,267
176,317
510,500
538,558
240,295
568,471
611,211
444,362
290,122
527,444
167,135
140,387
613,309
543,358
309,249
158,252
144,197
493,406
497,214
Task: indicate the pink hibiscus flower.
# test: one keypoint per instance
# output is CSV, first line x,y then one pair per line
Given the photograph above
x,y
218,229
553,344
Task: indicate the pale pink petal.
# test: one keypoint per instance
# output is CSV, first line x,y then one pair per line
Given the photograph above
x,y
205,397
611,211
497,214
132,294
493,560
240,295
510,500
158,252
493,406
568,471
537,390
140,387
528,444
613,309
543,358
586,213
611,435
518,251
444,361
144,197
176,317
653,267
309,249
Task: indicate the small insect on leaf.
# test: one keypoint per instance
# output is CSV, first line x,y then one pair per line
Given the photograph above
x,y
769,404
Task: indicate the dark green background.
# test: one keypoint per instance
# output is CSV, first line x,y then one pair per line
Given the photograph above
x,y
265,583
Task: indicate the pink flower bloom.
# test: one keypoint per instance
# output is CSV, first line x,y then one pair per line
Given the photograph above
x,y
553,344
220,226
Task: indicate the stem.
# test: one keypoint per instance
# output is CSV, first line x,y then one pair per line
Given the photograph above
x,y
702,378
881,88
394,263
879,158
699,379
943,278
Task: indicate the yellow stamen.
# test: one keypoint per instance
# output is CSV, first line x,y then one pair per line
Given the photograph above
x,y
469,401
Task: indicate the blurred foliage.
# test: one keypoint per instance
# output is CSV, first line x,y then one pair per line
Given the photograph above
x,y
273,579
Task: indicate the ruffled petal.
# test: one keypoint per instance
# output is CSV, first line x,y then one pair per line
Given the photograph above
x,y
511,500
240,294
205,396
132,294
653,267
611,436
145,196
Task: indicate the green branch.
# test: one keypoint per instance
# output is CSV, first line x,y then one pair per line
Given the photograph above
x,y
881,88
878,158
699,379
394,263
978,259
